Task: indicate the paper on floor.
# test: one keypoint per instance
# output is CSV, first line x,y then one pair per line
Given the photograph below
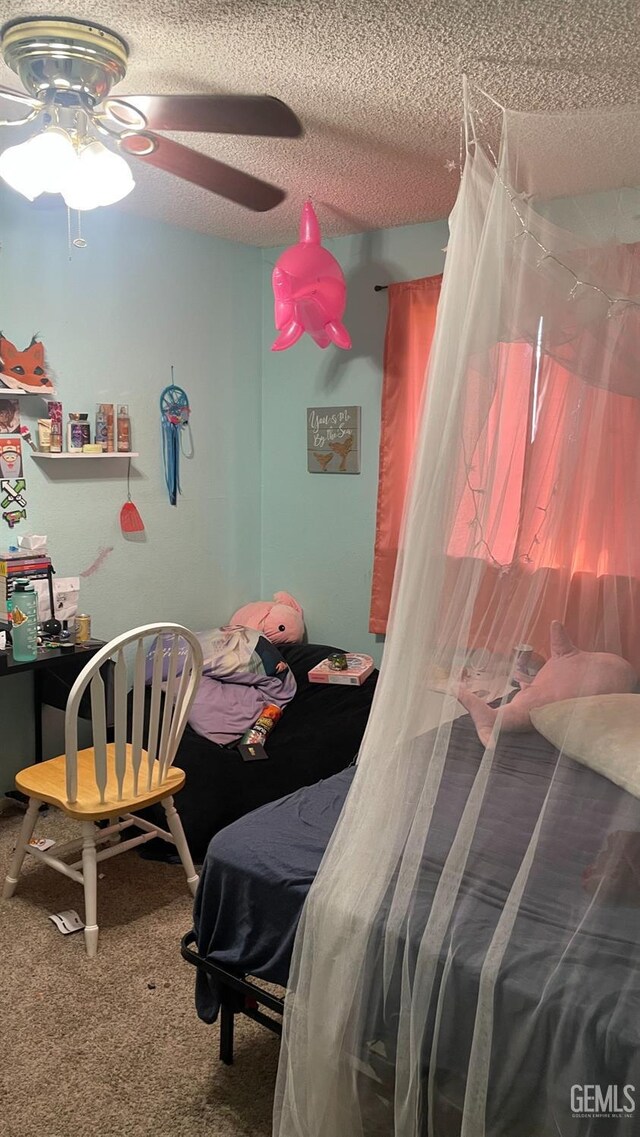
x,y
67,922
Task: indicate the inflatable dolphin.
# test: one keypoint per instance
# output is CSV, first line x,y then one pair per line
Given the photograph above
x,y
310,291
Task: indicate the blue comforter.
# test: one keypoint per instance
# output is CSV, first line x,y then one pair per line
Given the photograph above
x,y
255,879
583,986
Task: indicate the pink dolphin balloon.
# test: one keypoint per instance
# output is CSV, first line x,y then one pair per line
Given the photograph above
x,y
310,291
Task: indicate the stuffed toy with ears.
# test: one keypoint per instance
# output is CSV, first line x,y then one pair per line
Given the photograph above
x,y
569,673
281,620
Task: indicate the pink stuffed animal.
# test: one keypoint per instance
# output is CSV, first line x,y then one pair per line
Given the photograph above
x,y
281,620
569,673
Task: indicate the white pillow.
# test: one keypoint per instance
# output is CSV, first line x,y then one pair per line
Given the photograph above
x,y
601,731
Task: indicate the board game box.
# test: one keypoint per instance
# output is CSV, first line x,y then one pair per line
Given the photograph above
x,y
358,668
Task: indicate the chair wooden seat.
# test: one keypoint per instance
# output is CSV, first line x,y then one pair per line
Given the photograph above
x,y
48,782
109,780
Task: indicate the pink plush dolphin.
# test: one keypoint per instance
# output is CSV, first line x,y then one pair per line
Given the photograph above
x,y
569,674
310,291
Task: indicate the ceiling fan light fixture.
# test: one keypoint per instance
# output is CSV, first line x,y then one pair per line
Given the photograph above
x,y
99,177
42,164
18,171
54,154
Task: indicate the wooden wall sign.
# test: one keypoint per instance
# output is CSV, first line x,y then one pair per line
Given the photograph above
x,y
333,440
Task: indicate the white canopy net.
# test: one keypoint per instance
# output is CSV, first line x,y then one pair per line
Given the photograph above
x,y
468,958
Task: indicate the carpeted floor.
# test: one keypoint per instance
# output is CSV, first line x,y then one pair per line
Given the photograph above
x,y
114,1046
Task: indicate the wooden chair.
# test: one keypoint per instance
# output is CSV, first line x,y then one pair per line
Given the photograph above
x,y
109,780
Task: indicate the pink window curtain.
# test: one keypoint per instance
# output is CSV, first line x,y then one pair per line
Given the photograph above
x,y
549,486
410,326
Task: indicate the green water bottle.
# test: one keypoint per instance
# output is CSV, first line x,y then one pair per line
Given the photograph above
x,y
24,622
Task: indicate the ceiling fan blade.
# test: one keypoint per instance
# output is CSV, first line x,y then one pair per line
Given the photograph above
x,y
203,171
259,115
24,106
17,97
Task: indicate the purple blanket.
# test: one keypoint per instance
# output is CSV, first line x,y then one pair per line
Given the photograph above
x,y
242,672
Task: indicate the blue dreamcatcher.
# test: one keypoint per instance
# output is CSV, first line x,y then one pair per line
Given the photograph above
x,y
174,411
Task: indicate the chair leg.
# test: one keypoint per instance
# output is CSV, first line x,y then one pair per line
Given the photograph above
x,y
90,880
115,838
26,833
177,832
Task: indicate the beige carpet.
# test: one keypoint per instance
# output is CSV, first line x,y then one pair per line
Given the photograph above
x,y
114,1046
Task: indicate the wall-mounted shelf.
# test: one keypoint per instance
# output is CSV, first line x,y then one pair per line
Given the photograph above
x,y
11,394
80,454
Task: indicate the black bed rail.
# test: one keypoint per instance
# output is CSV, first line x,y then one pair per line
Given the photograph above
x,y
229,982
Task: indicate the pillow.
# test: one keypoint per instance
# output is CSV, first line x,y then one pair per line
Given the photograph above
x,y
601,731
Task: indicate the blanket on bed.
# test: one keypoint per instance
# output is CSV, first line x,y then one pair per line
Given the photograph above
x,y
241,673
566,983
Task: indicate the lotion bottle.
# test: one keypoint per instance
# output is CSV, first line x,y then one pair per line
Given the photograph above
x,y
123,429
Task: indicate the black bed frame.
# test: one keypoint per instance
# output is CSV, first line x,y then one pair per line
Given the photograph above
x,y
239,995
232,986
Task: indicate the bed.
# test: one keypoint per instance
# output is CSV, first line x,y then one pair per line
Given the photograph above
x,y
258,871
319,734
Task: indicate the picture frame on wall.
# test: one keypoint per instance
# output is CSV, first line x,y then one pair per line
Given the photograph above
x,y
333,440
9,415
10,456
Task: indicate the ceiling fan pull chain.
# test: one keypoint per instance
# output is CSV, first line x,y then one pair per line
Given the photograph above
x,y
79,241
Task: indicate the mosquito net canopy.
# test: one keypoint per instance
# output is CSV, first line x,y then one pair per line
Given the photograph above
x,y
467,961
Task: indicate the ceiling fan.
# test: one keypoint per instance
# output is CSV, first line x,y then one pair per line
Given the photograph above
x,y
68,68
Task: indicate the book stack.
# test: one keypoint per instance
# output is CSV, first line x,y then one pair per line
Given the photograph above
x,y
358,668
17,566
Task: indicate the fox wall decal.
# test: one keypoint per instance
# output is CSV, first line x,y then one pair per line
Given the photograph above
x,y
24,370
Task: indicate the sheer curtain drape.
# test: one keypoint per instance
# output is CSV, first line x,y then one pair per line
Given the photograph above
x,y
456,973
411,320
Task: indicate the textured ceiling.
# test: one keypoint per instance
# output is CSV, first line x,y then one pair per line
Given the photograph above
x,y
376,84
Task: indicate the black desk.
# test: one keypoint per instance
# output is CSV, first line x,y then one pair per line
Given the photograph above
x,y
54,673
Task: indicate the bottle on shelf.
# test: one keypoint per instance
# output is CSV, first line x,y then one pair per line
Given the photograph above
x,y
105,433
55,429
24,622
78,431
101,435
123,429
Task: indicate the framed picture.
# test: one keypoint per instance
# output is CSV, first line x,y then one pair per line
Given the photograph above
x,y
10,456
9,416
333,440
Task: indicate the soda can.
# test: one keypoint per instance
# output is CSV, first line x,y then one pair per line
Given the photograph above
x,y
263,725
83,628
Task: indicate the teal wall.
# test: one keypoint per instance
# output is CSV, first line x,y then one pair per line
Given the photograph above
x,y
318,531
113,318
